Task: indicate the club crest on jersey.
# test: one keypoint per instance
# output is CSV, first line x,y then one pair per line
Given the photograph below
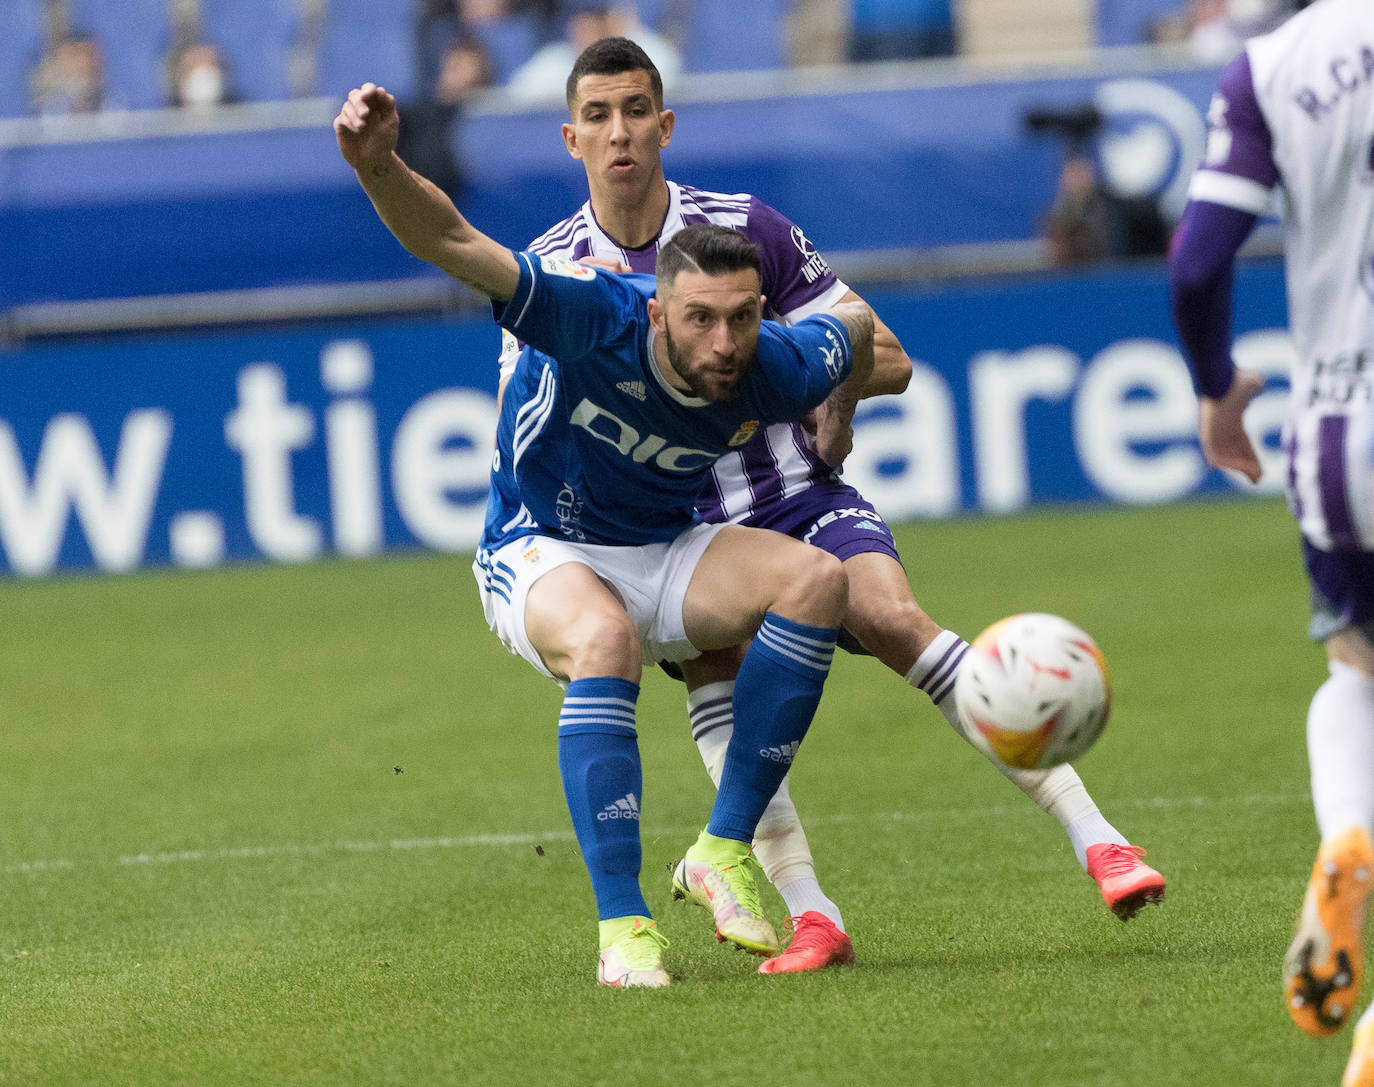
x,y
532,556
558,266
745,432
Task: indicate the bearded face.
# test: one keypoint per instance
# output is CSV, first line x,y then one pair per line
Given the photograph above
x,y
709,327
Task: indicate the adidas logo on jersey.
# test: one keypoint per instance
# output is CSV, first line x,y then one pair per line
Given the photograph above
x,y
868,525
627,807
633,388
784,754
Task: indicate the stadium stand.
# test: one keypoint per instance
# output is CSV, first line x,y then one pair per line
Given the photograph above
x,y
135,35
508,43
20,48
357,45
1131,22
267,40
751,44
257,36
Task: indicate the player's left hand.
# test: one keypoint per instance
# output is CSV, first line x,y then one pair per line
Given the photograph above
x,y
834,435
367,126
1221,430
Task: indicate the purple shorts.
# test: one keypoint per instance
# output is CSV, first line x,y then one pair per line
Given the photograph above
x,y
832,516
1342,591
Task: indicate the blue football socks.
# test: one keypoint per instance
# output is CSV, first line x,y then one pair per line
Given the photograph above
x,y
598,758
776,693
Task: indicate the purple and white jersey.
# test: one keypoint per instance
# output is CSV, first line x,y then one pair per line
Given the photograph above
x,y
1295,114
781,460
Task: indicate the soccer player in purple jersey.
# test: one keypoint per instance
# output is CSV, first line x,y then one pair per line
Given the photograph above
x,y
593,556
617,129
1294,114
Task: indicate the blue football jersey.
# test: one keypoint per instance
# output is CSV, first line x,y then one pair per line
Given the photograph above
x,y
593,444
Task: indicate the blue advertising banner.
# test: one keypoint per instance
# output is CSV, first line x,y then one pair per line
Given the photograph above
x,y
356,439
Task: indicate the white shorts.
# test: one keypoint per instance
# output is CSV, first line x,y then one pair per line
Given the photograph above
x,y
651,579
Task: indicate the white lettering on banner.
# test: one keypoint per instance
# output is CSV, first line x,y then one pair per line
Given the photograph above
x,y
1128,413
906,457
1001,385
113,509
350,438
1134,393
196,539
442,450
266,430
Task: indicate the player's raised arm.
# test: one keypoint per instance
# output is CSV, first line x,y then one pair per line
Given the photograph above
x,y
891,364
421,216
834,432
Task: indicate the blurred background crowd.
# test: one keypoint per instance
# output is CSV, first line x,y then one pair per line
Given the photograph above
x,y
80,56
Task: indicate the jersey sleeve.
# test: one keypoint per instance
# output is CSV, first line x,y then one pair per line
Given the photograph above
x,y
1238,170
565,309
1226,197
803,363
796,279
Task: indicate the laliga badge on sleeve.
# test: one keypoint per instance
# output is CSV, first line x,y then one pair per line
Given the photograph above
x,y
558,266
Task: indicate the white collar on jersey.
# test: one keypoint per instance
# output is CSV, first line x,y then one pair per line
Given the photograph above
x,y
677,394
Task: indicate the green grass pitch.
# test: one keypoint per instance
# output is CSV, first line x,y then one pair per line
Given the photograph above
x,y
303,826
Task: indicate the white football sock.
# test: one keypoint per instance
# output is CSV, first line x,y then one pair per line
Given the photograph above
x,y
1340,751
934,673
1059,791
779,841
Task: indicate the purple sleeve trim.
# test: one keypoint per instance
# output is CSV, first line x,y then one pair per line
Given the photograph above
x,y
1249,152
1201,266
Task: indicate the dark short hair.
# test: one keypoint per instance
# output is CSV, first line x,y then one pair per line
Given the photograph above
x,y
708,248
611,56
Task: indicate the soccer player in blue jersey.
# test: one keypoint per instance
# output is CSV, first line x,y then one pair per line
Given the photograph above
x,y
617,129
593,558
1294,114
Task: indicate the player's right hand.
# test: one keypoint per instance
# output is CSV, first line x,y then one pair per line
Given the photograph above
x,y
367,126
1221,430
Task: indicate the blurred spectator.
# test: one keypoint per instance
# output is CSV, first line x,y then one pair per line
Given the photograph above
x,y
901,29
1213,37
1215,30
544,77
427,140
508,31
200,78
1076,226
71,79
817,32
1089,222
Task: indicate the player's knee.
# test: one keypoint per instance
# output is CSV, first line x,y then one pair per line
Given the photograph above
x,y
825,583
802,583
1353,649
602,642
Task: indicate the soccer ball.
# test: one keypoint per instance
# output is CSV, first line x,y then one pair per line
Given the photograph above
x,y
1033,690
